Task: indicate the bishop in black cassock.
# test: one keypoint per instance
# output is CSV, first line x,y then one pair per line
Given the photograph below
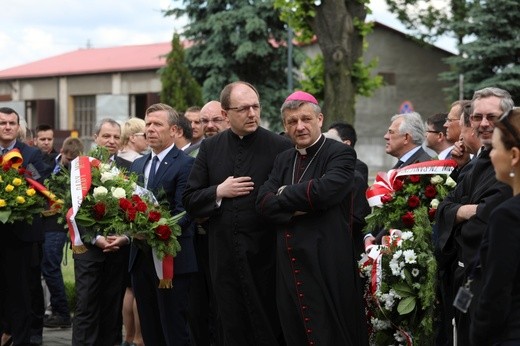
x,y
309,196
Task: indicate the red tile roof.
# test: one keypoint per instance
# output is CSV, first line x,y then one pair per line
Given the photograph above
x,y
94,60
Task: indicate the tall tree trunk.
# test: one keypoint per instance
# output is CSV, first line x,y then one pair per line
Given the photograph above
x,y
341,46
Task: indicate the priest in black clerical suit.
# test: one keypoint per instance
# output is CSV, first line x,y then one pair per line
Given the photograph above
x,y
309,195
222,188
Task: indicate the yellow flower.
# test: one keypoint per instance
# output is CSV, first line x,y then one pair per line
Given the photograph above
x,y
2,203
30,192
20,200
9,188
17,181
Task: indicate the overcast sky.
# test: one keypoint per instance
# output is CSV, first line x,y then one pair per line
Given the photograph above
x,y
33,30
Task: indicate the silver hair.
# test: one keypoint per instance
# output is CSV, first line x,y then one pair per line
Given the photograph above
x,y
506,102
413,125
295,104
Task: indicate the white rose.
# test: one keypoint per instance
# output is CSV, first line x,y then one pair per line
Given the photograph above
x,y
450,182
99,191
434,203
118,192
436,179
106,176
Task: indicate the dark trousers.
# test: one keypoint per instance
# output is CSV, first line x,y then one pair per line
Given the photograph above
x,y
99,293
202,309
15,273
37,301
162,311
51,270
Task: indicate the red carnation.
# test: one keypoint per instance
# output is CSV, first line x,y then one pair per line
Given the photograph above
x,y
430,191
398,184
431,213
130,214
95,163
408,219
22,171
386,198
99,210
7,166
141,206
154,216
136,198
413,201
163,232
124,204
415,178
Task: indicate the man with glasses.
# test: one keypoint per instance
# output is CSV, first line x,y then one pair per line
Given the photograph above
x,y
222,188
436,138
452,123
462,216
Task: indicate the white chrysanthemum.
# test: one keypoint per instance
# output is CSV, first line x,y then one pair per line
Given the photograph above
x,y
106,176
407,235
399,337
100,190
450,182
118,192
434,203
436,179
388,300
380,324
415,272
409,256
395,267
397,254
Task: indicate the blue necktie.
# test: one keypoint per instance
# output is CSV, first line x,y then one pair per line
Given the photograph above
x,y
153,168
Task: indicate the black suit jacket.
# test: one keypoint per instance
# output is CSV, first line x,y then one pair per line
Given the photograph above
x,y
419,156
168,185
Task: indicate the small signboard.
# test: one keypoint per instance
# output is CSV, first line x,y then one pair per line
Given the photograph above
x,y
406,107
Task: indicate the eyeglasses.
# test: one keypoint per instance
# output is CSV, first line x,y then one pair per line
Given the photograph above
x,y
451,119
243,109
489,117
214,120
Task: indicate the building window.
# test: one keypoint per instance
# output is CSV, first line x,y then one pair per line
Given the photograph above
x,y
85,115
388,78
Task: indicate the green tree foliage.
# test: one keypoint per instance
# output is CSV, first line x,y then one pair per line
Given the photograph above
x,y
340,28
492,57
238,40
179,88
429,20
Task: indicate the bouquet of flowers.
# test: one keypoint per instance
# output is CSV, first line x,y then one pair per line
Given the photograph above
x,y
401,271
107,201
19,200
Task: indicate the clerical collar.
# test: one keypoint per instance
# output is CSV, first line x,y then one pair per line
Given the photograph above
x,y
311,149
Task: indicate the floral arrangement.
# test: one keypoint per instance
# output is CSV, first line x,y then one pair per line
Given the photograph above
x,y
107,201
19,199
401,271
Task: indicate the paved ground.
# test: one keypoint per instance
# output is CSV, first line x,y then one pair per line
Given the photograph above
x,y
57,336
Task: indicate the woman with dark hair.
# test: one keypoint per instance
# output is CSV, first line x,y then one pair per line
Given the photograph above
x,y
497,318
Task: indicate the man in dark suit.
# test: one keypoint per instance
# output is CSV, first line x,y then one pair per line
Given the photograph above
x,y
100,271
17,239
162,311
403,141
108,135
463,215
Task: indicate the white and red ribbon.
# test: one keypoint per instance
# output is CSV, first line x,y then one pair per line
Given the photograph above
x,y
80,182
164,269
384,182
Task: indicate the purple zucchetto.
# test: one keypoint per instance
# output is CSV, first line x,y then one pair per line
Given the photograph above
x,y
301,96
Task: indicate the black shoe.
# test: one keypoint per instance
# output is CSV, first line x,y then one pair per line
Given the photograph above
x,y
56,321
